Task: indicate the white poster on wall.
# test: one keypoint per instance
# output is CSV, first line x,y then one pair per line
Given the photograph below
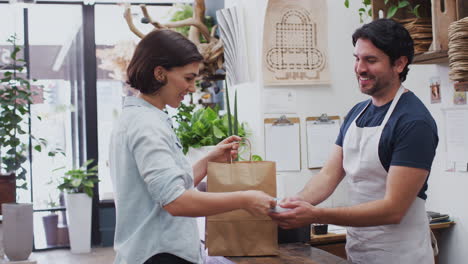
x,y
456,131
295,43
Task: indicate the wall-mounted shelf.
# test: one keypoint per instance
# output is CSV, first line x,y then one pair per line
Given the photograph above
x,y
442,13
431,57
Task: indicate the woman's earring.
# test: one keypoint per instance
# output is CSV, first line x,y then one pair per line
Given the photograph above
x,y
161,78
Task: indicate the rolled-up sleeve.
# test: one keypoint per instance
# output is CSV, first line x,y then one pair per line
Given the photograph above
x,y
151,144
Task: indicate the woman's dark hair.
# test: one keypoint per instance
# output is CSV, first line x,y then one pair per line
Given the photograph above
x,y
390,37
162,47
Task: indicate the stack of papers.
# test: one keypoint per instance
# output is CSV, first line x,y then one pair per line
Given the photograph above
x,y
435,217
232,28
336,229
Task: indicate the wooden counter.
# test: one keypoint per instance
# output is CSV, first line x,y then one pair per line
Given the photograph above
x,y
293,253
335,243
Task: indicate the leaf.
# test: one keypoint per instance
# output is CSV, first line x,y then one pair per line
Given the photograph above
x,y
88,184
256,158
236,123
89,192
228,111
402,4
209,114
76,182
391,11
416,11
218,133
198,128
38,148
346,3
386,2
23,186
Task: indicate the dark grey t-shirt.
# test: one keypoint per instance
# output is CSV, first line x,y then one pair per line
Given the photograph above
x,y
408,139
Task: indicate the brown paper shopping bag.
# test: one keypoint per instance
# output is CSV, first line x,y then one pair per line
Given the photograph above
x,y
239,233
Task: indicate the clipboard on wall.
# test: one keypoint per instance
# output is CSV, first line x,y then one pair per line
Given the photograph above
x,y
282,142
321,132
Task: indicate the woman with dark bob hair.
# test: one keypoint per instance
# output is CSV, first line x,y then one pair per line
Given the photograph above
x,y
153,182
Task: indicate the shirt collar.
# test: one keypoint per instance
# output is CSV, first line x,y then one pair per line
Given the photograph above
x,y
136,101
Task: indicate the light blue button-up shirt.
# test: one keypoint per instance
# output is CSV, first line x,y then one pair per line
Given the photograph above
x,y
149,171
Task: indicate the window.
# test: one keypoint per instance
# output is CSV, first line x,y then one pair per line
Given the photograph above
x,y
114,42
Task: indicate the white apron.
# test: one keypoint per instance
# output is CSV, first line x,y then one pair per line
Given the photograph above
x,y
406,243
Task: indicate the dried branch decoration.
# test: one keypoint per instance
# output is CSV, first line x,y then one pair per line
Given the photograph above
x,y
212,51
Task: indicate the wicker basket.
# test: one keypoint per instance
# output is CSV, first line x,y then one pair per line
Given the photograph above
x,y
458,50
420,30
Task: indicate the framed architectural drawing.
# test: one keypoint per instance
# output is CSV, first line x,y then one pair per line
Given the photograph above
x,y
295,43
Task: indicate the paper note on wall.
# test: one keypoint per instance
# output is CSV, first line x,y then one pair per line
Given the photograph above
x,y
282,145
456,134
321,138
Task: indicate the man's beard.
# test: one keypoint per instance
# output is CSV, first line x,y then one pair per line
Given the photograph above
x,y
377,86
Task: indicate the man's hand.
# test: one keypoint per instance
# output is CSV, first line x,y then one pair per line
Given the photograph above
x,y
301,214
290,199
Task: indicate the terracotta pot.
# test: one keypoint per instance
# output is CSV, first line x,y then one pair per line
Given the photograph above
x,y
17,230
7,188
62,236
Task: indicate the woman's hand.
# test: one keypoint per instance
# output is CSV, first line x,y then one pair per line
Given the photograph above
x,y
258,203
225,150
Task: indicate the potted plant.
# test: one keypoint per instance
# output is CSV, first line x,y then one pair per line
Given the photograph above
x,y
78,184
203,127
50,223
15,99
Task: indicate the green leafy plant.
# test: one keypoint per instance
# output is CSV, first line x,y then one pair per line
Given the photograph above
x,y
51,203
393,7
15,100
79,180
233,127
364,11
204,127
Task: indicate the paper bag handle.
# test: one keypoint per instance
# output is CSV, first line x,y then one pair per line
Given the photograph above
x,y
250,148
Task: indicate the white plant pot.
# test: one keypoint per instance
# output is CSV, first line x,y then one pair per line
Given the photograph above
x,y
79,221
17,230
195,154
1,242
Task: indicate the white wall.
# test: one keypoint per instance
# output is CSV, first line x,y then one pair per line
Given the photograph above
x,y
446,190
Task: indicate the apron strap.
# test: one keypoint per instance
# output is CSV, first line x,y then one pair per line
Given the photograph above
x,y
393,105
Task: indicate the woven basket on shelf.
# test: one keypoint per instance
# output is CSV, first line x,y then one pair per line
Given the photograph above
x,y
458,50
420,30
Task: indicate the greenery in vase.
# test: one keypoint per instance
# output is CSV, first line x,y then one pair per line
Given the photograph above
x,y
204,127
80,180
233,124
